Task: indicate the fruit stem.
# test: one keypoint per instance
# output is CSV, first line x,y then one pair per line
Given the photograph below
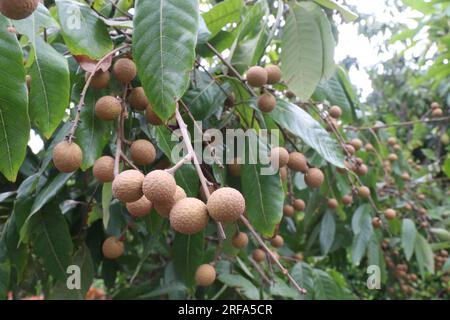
x,y
399,124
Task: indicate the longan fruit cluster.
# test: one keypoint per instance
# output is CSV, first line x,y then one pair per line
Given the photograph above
x,y
259,77
436,110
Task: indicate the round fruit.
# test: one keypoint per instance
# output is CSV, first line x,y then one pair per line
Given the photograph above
x,y
364,192
332,203
142,152
335,112
139,208
273,74
369,147
435,105
205,275
226,205
437,113
406,176
377,223
350,149
390,214
103,169
112,248
362,170
18,9
189,216
127,186
445,139
299,205
297,162
277,241
240,240
283,173
259,255
159,187
257,76
392,157
391,141
314,178
108,108
67,156
408,207
299,256
235,168
152,117
356,143
124,70
347,199
281,154
138,100
164,208
100,80
288,210
332,124
267,102
397,147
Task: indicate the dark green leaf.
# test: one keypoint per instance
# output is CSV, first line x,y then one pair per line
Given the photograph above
x,y
424,255
409,233
50,191
241,284
327,232
187,255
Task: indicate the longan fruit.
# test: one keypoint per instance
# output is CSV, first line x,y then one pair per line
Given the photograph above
x,y
277,241
362,170
257,76
332,203
159,186
124,70
347,199
299,205
259,255
139,208
164,208
18,9
350,149
332,124
364,192
205,275
226,205
408,207
314,178
273,74
67,156
435,105
142,152
281,154
288,210
189,216
112,248
406,176
127,186
235,168
108,108
391,141
152,117
335,112
297,162
356,143
397,147
392,157
369,147
240,240
436,113
100,80
103,169
390,214
266,102
377,223
137,99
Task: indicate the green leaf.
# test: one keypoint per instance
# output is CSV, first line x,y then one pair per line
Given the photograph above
x,y
187,178
346,13
441,234
106,202
164,40
5,274
327,232
34,24
446,166
83,31
409,233
424,255
241,284
362,227
51,241
300,123
220,15
50,191
187,255
14,120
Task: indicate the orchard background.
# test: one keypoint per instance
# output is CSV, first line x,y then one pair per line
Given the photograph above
x,y
373,192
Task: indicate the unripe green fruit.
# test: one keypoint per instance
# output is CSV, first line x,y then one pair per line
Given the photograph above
x,y
277,241
142,152
67,156
205,275
189,216
127,186
108,108
226,205
273,74
113,248
314,178
240,240
139,208
137,99
281,154
266,102
257,76
124,70
159,187
445,139
297,162
18,9
103,169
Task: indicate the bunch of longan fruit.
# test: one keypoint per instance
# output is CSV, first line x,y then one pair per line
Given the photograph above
x,y
260,77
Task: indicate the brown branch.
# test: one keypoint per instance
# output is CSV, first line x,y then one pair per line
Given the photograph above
x,y
399,124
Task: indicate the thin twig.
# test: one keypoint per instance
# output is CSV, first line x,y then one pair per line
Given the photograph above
x,y
399,124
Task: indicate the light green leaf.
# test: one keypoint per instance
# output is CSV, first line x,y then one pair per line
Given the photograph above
x,y
106,202
222,14
327,232
346,13
187,255
241,284
409,233
424,255
362,227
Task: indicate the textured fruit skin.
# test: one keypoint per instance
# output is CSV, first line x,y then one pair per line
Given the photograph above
x,y
18,9
335,112
164,209
152,117
139,208
347,199
392,157
127,186
377,223
369,147
277,241
259,255
314,178
362,170
257,76
226,205
266,102
350,149
112,248
100,80
159,187
364,192
189,216
435,105
391,141
299,205
103,169
142,152
124,70
332,203
297,162
240,240
205,275
137,99
108,108
436,113
390,214
281,154
288,210
356,143
273,74
67,157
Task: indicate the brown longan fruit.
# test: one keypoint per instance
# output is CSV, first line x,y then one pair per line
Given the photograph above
x,y
347,199
164,208
362,170
235,168
226,205
397,147
288,210
392,157
266,102
281,154
299,205
100,80
137,99
335,112
435,105
257,76
259,255
124,70
390,214
127,186
436,113
159,186
103,169
350,149
189,216
108,108
205,275
369,147
273,74
18,9
283,174
377,223
112,248
356,143
299,256
332,124
277,241
240,240
314,178
408,207
364,192
391,141
67,156
406,176
152,117
142,152
297,162
332,203
139,208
